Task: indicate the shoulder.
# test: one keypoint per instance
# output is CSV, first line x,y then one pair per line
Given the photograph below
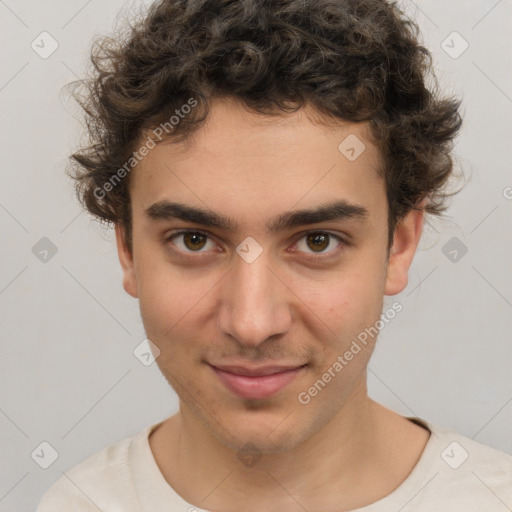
x,y
466,472
464,453
100,482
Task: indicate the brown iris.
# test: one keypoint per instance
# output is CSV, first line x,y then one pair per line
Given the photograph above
x,y
194,241
319,240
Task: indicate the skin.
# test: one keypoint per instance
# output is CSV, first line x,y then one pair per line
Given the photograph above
x,y
214,307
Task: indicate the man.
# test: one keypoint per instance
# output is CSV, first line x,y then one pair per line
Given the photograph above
x,y
268,167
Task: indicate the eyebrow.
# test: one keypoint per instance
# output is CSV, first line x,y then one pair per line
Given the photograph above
x,y
334,211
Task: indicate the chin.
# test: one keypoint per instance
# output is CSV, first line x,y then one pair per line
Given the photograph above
x,y
258,431
259,442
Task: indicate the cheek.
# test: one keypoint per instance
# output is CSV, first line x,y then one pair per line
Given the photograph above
x,y
349,305
169,293
176,307
350,297
350,308
165,301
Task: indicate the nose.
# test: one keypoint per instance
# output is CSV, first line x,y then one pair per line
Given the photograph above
x,y
255,303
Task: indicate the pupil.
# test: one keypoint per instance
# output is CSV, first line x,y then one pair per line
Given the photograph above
x,y
192,240
319,241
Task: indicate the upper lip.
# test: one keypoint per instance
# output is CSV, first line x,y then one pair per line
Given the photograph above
x,y
256,371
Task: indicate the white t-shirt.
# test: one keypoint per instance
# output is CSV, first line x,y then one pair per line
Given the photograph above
x,y
453,474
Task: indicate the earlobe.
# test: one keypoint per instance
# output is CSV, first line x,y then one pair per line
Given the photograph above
x,y
405,242
126,260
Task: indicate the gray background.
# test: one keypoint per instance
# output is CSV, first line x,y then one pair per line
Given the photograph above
x,y
68,374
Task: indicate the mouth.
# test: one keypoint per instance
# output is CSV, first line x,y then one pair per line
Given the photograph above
x,y
256,383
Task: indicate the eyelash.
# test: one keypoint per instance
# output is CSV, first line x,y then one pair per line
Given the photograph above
x,y
311,257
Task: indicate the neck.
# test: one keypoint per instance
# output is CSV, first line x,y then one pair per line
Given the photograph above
x,y
352,428
350,452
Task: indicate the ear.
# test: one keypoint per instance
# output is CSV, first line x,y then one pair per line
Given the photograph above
x,y
126,260
405,242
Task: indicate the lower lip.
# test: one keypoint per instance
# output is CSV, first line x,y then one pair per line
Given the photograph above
x,y
256,387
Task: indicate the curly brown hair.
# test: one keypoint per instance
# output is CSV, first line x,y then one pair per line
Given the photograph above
x,y
352,60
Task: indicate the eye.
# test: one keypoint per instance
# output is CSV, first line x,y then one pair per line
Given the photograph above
x,y
191,241
320,242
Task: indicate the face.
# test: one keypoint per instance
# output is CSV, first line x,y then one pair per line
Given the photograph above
x,y
253,304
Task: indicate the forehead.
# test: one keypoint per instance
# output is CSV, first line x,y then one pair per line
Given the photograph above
x,y
247,164
231,125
